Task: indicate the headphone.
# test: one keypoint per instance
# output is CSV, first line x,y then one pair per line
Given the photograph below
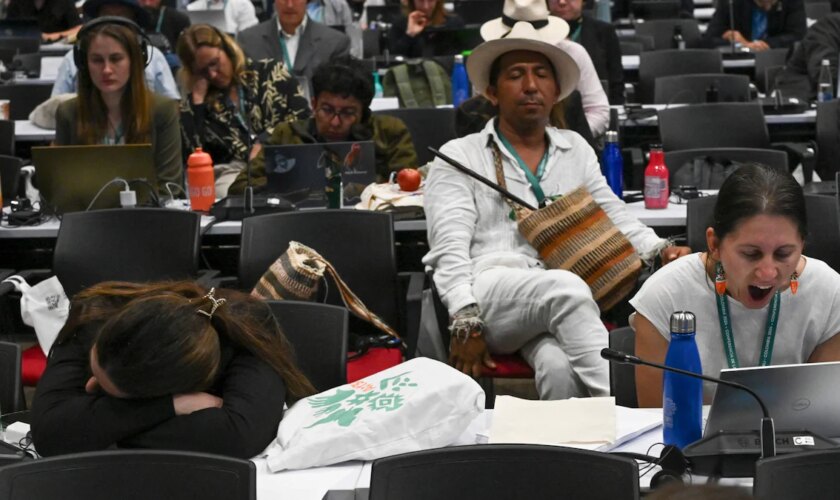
x,y
672,461
142,40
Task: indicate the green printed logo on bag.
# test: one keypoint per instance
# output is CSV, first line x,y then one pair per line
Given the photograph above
x,y
344,405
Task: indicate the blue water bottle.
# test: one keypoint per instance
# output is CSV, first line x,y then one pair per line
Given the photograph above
x,y
682,398
460,82
612,164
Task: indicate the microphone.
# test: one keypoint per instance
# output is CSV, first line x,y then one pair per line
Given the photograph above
x,y
767,432
732,24
248,204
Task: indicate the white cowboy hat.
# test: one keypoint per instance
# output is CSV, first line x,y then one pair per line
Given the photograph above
x,y
524,36
552,29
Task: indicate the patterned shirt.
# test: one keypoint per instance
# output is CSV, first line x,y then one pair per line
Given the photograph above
x,y
270,95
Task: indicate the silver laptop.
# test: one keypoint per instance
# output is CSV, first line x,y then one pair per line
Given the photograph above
x,y
798,397
213,17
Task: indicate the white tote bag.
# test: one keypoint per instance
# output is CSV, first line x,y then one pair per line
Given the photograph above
x,y
417,405
44,307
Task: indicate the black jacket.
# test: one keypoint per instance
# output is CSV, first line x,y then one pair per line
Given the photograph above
x,y
785,22
601,42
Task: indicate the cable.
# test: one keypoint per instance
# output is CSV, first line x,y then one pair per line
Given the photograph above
x,y
103,188
168,187
152,192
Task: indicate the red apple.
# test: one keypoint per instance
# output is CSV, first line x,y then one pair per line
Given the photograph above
x,y
408,179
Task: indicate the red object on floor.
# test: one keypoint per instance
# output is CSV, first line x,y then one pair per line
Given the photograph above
x,y
32,365
509,366
373,361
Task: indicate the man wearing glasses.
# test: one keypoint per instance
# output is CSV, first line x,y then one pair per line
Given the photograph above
x,y
342,93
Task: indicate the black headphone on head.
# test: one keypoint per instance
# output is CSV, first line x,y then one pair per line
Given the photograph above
x,y
142,40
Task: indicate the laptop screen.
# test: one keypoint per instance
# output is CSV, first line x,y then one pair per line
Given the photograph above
x,y
798,397
299,172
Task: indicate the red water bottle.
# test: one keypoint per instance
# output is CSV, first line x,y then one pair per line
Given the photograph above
x,y
201,181
656,179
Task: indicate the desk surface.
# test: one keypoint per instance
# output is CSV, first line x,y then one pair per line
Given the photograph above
x,y
809,116
631,63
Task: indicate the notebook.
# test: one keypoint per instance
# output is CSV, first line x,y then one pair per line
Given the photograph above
x,y
798,397
213,17
298,172
69,177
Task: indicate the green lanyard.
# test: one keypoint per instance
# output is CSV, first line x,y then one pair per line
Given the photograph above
x,y
533,179
160,19
575,36
117,139
729,340
286,58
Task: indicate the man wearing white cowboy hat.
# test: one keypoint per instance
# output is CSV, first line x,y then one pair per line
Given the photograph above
x,y
555,30
492,281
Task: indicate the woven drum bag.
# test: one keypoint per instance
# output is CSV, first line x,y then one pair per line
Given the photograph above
x,y
574,233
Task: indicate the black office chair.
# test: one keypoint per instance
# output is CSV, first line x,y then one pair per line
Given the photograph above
x,y
24,97
828,147
823,241
698,217
143,244
11,390
798,476
29,63
630,48
21,44
7,137
675,160
695,89
765,59
817,10
656,64
131,475
318,333
9,174
482,472
359,244
623,377
428,126
719,125
478,11
662,32
655,9
645,41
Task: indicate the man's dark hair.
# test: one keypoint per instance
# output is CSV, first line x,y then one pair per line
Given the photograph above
x,y
345,77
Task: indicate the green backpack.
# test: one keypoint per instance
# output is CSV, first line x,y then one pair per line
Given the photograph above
x,y
418,84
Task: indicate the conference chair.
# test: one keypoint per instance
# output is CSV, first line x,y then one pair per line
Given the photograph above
x,y
483,472
360,245
656,64
24,97
698,217
798,476
29,63
142,244
655,9
623,377
764,60
714,125
7,137
675,160
428,127
11,390
827,145
823,241
817,10
130,475
318,335
662,32
478,11
695,89
9,174
645,41
21,44
630,48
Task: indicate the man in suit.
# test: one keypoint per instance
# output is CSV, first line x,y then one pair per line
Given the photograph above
x,y
600,41
304,44
759,24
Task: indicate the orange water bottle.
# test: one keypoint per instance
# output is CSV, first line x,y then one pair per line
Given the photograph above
x,y
201,181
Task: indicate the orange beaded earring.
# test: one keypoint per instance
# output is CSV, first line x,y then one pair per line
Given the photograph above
x,y
794,282
720,279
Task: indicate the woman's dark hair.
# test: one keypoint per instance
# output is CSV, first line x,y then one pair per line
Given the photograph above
x,y
757,189
153,340
345,77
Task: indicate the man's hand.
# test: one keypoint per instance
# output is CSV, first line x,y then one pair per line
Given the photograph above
x,y
670,254
757,45
417,22
470,356
195,401
730,35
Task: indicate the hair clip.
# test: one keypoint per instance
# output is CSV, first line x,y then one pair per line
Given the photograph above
x,y
216,303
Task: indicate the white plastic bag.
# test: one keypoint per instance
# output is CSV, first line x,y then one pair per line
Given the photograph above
x,y
388,196
44,307
417,405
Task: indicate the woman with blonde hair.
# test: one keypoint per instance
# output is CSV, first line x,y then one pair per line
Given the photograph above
x,y
113,105
166,365
232,103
